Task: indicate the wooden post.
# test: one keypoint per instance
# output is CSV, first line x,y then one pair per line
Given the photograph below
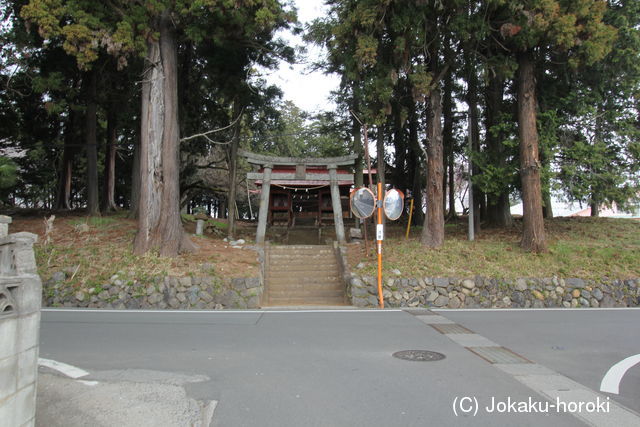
x,y
337,205
264,204
470,191
406,236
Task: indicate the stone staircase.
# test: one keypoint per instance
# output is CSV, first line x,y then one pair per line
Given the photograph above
x,y
303,275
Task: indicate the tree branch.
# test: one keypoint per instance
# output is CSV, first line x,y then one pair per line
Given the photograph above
x,y
204,134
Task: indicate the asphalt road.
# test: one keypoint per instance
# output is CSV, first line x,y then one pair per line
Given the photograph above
x,y
581,344
336,368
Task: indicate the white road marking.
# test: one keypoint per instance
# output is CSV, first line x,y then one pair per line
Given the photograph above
x,y
506,310
89,383
207,413
611,380
264,311
68,370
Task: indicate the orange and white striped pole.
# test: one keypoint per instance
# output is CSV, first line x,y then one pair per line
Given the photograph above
x,y
379,238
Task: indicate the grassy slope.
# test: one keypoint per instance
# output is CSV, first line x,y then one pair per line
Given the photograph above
x,y
578,247
93,249
589,248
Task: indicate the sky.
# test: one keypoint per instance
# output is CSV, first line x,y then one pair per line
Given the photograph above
x,y
308,90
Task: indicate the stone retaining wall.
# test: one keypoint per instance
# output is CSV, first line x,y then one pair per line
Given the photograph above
x,y
124,292
482,292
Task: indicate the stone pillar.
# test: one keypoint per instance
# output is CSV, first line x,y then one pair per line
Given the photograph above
x,y
20,299
264,204
199,227
337,205
4,225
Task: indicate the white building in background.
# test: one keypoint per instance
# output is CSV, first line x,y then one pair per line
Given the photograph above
x,y
561,208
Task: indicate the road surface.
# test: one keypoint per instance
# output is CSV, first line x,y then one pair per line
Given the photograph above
x,y
335,367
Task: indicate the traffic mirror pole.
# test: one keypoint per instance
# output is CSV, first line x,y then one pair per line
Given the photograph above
x,y
363,204
379,238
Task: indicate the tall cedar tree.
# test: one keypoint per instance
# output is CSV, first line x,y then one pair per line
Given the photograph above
x,y
124,28
572,26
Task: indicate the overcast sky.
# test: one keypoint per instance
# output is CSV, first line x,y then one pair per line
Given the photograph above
x,y
308,90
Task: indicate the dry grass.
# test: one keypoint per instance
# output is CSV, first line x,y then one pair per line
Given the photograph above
x,y
93,249
589,248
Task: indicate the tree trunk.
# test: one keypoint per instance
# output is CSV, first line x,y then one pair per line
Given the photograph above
x,y
416,153
498,209
400,148
233,166
222,210
134,202
159,223
448,140
356,133
64,181
433,230
108,203
91,140
184,87
533,233
595,208
479,205
452,186
547,207
380,155
66,166
68,175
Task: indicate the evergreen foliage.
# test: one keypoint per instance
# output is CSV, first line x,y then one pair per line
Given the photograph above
x,y
574,131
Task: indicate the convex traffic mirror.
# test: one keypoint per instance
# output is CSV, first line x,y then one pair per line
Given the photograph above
x,y
393,204
363,202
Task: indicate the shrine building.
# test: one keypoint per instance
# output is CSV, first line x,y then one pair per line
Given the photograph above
x,y
306,190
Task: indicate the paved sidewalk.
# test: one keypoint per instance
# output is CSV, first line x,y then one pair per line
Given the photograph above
x,y
130,398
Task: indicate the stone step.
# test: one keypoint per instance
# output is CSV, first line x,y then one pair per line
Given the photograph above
x,y
285,262
301,257
297,281
301,249
310,248
334,301
302,290
296,270
303,275
302,254
329,293
326,284
327,277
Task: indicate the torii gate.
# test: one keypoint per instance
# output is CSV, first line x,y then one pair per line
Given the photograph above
x,y
331,177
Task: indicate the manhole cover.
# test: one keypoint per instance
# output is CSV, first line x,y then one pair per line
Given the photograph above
x,y
418,355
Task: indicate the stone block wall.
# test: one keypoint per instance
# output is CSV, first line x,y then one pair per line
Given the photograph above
x,y
482,292
123,291
20,296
